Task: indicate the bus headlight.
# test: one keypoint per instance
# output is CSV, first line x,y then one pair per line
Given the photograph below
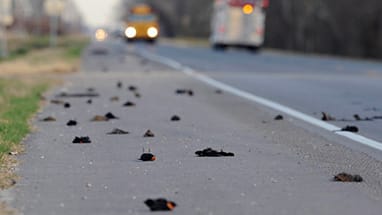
x,y
130,32
152,32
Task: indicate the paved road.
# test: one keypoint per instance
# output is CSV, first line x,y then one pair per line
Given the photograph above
x,y
308,84
280,167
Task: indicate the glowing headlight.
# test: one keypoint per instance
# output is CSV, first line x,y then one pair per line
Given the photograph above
x,y
100,35
152,32
130,32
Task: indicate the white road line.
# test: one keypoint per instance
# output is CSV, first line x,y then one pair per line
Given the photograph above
x,y
260,100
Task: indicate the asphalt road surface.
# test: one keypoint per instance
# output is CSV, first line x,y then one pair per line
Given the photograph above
x,y
279,167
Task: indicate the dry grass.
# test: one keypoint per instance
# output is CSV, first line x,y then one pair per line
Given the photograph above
x,y
21,79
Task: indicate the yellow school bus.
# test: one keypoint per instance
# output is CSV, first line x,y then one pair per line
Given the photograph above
x,y
142,24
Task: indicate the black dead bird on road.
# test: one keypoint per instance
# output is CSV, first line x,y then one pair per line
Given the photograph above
x,y
184,91
279,117
49,119
71,123
67,105
149,133
119,84
175,118
132,88
111,116
81,140
209,152
118,131
345,177
129,104
160,204
327,117
147,157
350,128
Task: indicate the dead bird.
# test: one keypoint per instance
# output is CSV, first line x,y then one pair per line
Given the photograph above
x,y
67,105
175,118
350,128
327,117
71,123
358,118
184,91
118,132
218,91
133,88
99,118
119,84
81,140
149,133
345,177
160,204
147,157
209,152
111,116
49,119
114,99
279,117
57,102
129,104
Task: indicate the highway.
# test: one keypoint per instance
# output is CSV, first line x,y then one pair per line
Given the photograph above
x,y
279,167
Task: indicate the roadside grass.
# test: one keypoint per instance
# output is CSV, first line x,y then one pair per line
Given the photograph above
x,y
19,100
25,75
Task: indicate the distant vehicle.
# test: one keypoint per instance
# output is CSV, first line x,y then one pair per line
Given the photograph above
x,y
100,35
238,23
142,24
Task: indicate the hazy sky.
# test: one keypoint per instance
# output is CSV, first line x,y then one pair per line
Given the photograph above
x,y
97,12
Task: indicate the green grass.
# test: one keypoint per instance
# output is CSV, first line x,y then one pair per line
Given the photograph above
x,y
18,102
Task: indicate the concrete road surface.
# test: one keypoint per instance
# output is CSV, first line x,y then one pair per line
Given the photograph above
x,y
280,167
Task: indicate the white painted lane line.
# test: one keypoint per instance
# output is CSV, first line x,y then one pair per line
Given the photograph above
x,y
260,100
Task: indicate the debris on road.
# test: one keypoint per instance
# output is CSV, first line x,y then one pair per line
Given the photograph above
x,y
209,152
74,95
111,116
57,102
175,118
345,177
129,104
114,99
13,153
81,140
149,133
160,204
99,118
118,131
49,119
71,123
279,117
327,117
91,89
89,101
137,95
147,157
350,128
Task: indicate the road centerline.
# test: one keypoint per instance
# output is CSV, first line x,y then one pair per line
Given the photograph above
x,y
260,100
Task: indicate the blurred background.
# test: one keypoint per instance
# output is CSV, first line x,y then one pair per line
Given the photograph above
x,y
342,27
